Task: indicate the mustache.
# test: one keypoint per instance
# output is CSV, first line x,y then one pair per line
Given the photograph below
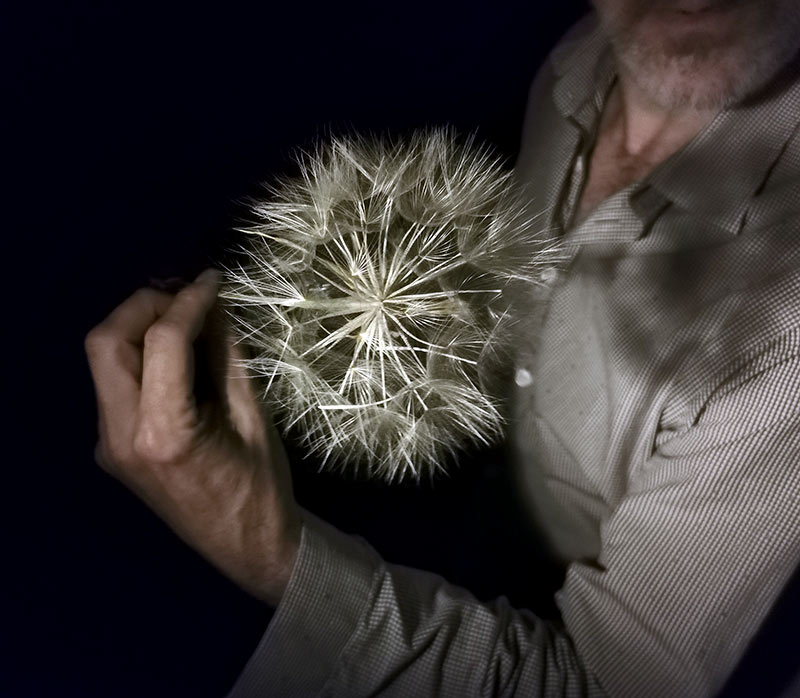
x,y
635,9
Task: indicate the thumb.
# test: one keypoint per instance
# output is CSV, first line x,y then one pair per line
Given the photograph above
x,y
252,420
248,413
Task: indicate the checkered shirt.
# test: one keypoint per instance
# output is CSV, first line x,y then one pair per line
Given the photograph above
x,y
656,427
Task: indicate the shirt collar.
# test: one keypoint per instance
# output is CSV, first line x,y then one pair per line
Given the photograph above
x,y
736,151
584,68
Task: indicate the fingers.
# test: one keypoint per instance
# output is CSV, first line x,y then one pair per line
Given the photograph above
x,y
167,409
114,347
131,319
247,412
252,420
226,491
114,352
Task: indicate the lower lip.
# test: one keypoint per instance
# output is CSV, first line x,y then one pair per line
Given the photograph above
x,y
716,17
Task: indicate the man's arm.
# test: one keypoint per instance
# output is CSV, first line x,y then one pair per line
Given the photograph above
x,y
207,462
692,559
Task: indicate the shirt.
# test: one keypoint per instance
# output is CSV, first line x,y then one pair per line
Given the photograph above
x,y
657,426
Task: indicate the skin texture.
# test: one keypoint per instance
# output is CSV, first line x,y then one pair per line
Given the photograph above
x,y
680,62
194,445
702,54
208,461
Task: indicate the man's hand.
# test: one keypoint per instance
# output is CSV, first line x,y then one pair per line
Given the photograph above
x,y
210,465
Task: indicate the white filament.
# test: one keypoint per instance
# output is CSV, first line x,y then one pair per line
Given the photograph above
x,y
370,296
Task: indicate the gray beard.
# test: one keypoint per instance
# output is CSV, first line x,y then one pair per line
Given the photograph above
x,y
689,75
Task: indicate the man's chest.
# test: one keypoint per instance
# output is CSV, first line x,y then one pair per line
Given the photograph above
x,y
605,371
609,171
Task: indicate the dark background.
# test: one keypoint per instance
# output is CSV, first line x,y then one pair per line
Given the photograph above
x,y
132,134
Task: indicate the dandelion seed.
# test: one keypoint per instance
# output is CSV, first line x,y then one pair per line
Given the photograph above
x,y
373,297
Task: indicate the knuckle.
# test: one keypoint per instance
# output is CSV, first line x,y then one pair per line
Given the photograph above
x,y
192,295
98,337
109,458
146,295
165,331
157,446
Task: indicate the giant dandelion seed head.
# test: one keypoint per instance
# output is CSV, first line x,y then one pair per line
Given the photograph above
x,y
371,293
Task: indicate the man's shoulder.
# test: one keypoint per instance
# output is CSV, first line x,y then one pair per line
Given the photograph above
x,y
570,45
565,75
573,41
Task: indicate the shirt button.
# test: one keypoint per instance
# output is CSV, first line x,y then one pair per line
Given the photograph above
x,y
549,275
523,377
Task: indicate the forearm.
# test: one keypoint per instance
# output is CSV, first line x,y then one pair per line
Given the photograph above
x,y
352,625
692,559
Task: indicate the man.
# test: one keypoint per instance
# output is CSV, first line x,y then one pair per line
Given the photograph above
x,y
658,423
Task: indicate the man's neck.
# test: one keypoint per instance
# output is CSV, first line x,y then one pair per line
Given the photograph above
x,y
634,136
647,129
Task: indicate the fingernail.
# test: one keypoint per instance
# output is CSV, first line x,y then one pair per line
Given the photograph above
x,y
210,274
173,284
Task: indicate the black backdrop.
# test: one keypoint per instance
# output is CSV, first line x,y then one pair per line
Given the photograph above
x,y
131,134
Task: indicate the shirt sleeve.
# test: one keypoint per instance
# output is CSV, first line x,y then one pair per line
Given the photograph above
x,y
701,546
692,559
353,625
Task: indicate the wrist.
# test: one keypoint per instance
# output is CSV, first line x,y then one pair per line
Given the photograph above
x,y
271,580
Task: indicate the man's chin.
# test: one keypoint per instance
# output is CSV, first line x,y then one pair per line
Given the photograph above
x,y
687,83
701,64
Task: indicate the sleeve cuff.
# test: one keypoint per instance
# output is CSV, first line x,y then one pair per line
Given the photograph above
x,y
329,590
